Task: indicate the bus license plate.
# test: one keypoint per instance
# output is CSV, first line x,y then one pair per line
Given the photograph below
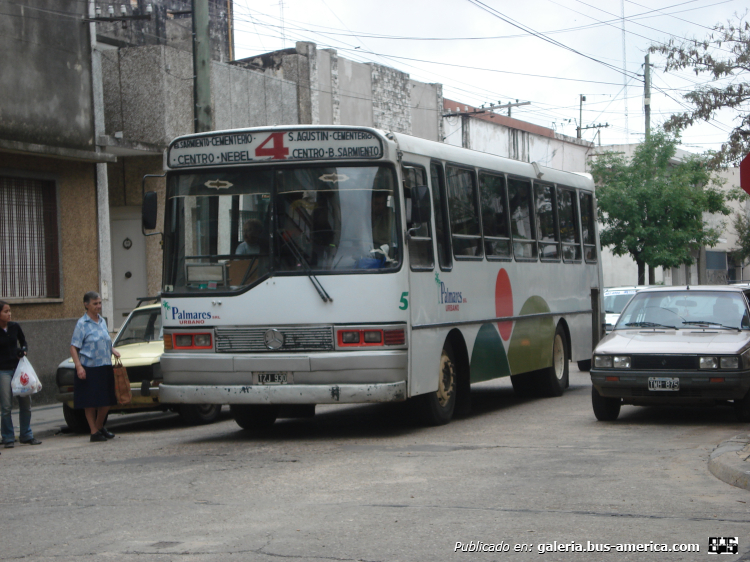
x,y
272,378
663,383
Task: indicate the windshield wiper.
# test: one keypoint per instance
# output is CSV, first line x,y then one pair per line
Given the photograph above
x,y
308,270
709,323
649,325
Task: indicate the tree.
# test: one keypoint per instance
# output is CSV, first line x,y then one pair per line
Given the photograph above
x,y
652,206
724,54
741,225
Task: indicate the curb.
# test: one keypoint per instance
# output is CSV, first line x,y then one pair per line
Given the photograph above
x,y
730,461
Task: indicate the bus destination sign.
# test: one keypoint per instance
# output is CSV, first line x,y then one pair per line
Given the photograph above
x,y
249,147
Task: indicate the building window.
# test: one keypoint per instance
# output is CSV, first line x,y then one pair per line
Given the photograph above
x,y
716,260
29,256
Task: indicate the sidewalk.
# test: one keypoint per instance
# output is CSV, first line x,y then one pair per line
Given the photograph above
x,y
47,421
730,461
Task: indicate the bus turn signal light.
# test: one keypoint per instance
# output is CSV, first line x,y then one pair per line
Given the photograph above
x,y
167,342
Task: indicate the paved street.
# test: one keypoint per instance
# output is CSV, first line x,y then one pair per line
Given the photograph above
x,y
364,483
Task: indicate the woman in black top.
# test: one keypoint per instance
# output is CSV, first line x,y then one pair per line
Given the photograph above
x,y
12,348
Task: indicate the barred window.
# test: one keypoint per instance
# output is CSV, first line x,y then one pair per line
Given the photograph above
x,y
29,255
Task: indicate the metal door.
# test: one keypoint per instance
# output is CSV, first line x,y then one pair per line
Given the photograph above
x,y
128,261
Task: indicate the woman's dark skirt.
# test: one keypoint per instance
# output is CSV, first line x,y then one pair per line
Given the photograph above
x,y
97,389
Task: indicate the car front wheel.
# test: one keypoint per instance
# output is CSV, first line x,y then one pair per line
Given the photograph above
x,y
605,409
199,414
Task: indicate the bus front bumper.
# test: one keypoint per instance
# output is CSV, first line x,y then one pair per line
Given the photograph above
x,y
284,393
314,378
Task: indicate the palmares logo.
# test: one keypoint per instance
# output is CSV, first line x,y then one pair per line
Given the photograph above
x,y
451,299
190,317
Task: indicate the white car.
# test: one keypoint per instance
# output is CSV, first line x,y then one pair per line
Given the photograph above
x,y
615,299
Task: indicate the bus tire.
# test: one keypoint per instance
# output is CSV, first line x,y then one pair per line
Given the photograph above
x,y
584,366
605,409
556,377
76,419
436,408
261,416
199,414
523,385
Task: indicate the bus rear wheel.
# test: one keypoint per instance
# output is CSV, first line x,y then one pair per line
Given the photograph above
x,y
557,376
261,416
436,408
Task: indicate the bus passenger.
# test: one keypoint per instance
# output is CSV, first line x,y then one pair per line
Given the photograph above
x,y
252,239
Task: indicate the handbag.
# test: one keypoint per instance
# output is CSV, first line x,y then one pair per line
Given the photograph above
x,y
24,381
122,383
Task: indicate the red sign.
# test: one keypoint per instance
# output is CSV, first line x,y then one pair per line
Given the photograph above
x,y
745,174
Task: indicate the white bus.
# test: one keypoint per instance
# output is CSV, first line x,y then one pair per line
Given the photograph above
x,y
312,265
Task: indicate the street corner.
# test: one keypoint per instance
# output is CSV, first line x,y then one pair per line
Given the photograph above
x,y
730,462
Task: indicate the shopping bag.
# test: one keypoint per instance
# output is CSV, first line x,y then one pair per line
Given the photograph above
x,y
122,383
24,381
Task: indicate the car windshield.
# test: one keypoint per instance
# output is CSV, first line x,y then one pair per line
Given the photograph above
x,y
143,326
228,229
615,302
685,309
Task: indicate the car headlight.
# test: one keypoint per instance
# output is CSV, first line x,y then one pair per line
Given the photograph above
x,y
729,362
603,361
621,361
708,363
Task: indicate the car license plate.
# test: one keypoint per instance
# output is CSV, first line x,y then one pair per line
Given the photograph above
x,y
272,378
663,383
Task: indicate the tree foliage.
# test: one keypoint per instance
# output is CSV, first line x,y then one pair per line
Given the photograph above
x,y
652,205
724,54
741,225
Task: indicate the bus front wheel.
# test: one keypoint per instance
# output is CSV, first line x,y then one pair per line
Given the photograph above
x,y
436,408
250,417
557,375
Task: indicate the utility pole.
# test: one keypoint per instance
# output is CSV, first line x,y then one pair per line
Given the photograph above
x,y
201,67
580,116
647,96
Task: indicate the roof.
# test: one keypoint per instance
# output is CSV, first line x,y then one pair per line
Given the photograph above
x,y
712,288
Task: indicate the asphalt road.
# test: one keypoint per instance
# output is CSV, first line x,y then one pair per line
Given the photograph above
x,y
365,483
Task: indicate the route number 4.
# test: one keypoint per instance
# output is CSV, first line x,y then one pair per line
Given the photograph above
x,y
277,150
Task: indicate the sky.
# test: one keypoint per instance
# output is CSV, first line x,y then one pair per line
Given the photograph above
x,y
547,52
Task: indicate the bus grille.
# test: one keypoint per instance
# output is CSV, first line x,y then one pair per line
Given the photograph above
x,y
318,338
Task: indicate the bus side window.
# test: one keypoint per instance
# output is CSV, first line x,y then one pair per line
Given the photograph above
x,y
587,226
520,205
442,234
420,241
549,242
567,212
464,212
494,216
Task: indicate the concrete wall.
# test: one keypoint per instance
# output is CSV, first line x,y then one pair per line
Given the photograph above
x,y
48,323
149,95
45,90
355,93
426,110
173,30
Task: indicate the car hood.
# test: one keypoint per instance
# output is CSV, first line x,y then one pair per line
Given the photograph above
x,y
690,341
132,355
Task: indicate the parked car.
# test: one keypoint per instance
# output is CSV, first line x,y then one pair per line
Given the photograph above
x,y
140,343
676,345
615,299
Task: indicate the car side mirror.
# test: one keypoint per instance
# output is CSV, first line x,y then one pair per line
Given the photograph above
x,y
149,210
420,204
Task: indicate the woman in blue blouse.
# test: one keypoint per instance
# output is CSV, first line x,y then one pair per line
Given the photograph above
x,y
91,350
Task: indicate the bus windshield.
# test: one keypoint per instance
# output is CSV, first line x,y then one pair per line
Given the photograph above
x,y
227,229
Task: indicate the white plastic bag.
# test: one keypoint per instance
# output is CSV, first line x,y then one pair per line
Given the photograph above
x,y
25,382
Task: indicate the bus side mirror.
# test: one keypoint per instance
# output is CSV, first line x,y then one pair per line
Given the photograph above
x,y
149,210
420,204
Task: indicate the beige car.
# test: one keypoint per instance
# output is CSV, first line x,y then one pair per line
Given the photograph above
x,y
676,345
140,343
